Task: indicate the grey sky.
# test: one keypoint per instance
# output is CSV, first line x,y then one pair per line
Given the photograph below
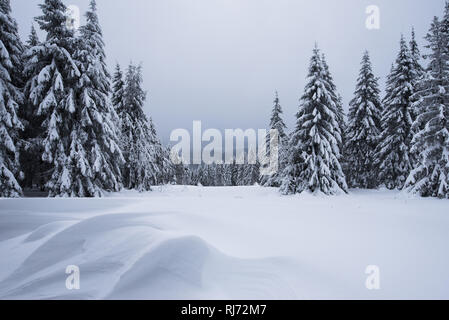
x,y
220,61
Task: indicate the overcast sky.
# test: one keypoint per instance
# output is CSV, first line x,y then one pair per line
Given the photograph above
x,y
220,61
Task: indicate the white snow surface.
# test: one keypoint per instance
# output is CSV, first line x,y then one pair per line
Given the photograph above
x,y
225,243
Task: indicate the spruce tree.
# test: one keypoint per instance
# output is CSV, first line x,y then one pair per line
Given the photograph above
x,y
314,163
227,175
140,169
11,98
118,92
94,154
240,175
52,78
418,72
30,155
363,128
34,168
430,176
33,38
338,101
415,54
234,173
393,152
219,175
251,170
277,123
193,177
205,175
181,172
198,175
165,169
336,98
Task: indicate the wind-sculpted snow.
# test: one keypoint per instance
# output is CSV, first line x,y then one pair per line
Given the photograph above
x,y
125,256
224,243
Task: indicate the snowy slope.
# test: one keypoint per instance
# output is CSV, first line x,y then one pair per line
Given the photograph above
x,y
225,243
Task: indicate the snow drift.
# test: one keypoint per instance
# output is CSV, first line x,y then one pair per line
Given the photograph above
x,y
224,243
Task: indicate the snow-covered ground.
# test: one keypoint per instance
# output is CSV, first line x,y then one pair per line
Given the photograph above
x,y
225,243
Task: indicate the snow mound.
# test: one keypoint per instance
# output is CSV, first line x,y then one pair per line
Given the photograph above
x,y
124,256
187,267
225,243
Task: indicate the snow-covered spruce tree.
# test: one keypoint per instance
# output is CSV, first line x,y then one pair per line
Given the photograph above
x,y
234,173
227,175
199,172
182,174
240,174
341,120
11,98
160,172
211,178
178,173
203,175
418,72
30,155
251,172
165,169
415,55
430,176
217,174
94,155
140,168
363,129
193,175
336,98
118,90
33,38
277,123
314,164
392,156
52,75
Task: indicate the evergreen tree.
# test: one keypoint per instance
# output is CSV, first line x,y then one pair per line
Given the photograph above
x,y
205,176
118,92
240,175
33,38
178,173
140,169
52,77
277,123
416,57
418,72
250,171
118,101
338,101
10,99
341,121
30,155
336,98
192,172
219,180
235,169
94,155
165,169
363,128
430,176
198,176
393,152
314,164
227,175
33,166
